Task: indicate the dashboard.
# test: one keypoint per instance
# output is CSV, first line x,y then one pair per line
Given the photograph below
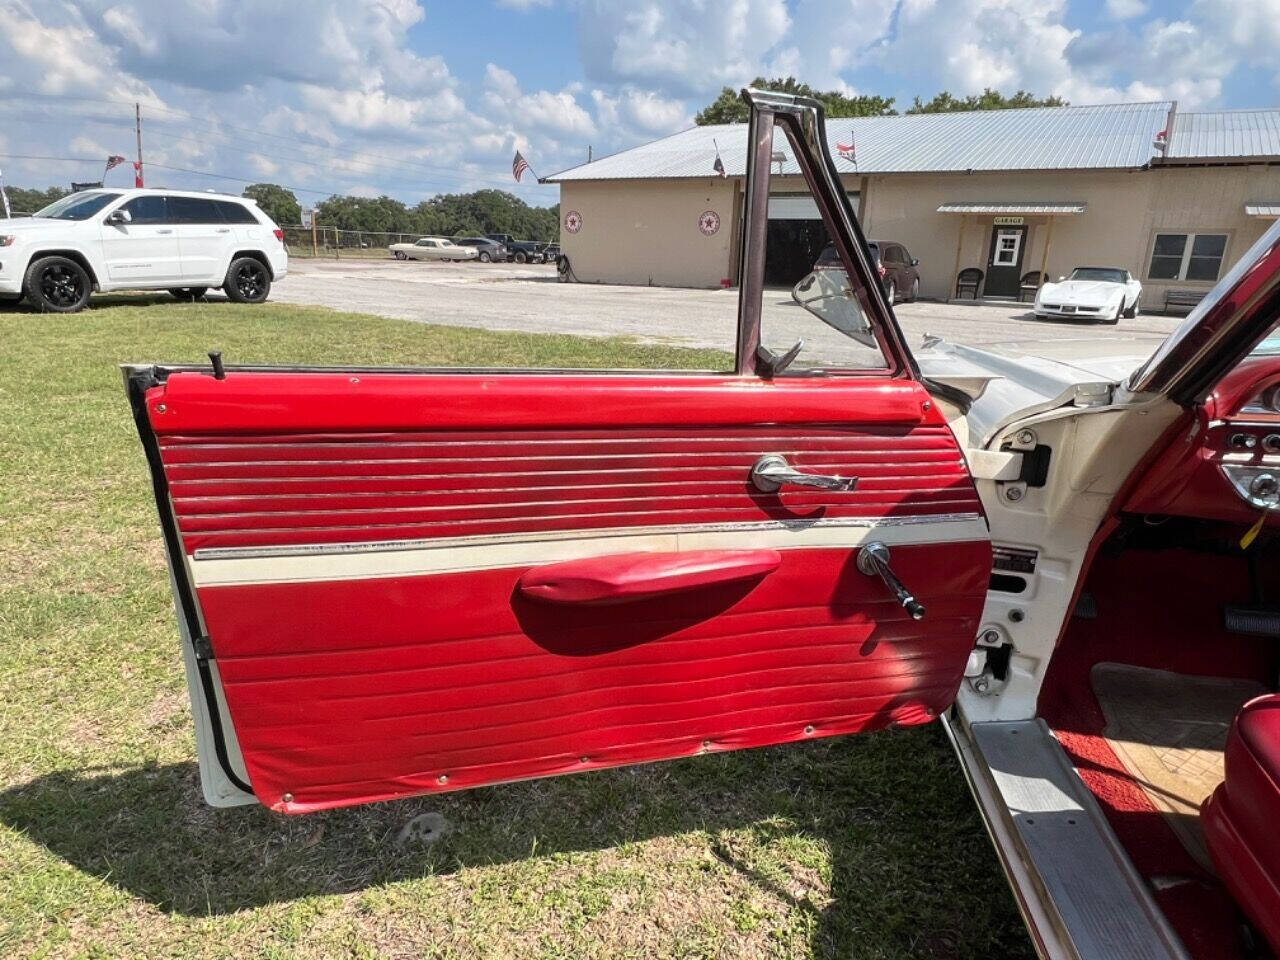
x,y
1226,464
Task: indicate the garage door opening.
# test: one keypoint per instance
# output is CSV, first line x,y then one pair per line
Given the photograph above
x,y
795,237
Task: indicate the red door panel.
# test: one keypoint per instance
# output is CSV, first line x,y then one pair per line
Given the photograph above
x,y
357,545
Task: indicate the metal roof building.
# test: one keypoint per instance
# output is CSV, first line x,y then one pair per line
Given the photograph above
x,y
1225,135
1170,196
1109,136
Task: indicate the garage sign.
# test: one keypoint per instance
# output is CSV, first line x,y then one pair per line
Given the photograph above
x,y
1010,221
709,223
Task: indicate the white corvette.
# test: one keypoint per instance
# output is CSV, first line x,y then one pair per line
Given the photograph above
x,y
1094,293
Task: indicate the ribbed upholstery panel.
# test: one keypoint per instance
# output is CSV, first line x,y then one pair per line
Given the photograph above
x,y
267,489
466,680
352,676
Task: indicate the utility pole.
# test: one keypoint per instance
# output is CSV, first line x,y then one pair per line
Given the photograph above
x,y
137,126
588,153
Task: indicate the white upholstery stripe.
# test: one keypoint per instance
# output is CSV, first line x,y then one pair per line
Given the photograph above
x,y
228,567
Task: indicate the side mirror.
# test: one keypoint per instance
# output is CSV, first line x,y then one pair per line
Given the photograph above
x,y
915,262
120,217
829,296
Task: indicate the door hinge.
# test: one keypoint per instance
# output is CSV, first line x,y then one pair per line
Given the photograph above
x,y
203,648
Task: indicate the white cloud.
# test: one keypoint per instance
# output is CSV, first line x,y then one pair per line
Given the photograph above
x,y
378,114
558,114
1125,9
637,114
1249,29
679,47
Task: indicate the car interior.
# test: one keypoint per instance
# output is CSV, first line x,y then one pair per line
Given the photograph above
x,y
1162,690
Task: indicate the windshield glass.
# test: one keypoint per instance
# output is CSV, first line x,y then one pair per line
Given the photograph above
x,y
1106,274
1269,347
78,206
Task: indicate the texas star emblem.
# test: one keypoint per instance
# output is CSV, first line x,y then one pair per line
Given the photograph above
x,y
709,222
573,221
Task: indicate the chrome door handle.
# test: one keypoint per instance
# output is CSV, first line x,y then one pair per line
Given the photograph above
x,y
164,231
224,229
873,560
772,471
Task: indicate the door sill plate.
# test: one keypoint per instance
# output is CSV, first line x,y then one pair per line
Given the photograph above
x,y
1077,890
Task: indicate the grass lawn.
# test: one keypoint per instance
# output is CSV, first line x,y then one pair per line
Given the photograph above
x,y
854,847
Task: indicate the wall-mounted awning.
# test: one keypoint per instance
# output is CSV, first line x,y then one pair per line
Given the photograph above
x,y
1029,208
1269,210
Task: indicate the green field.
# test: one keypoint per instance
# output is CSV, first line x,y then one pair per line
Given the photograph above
x,y
855,847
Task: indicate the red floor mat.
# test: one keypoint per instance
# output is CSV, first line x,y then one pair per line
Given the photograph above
x,y
1175,627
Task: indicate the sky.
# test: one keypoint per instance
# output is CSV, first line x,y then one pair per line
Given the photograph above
x,y
417,97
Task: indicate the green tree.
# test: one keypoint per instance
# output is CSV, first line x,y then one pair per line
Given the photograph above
x,y
729,108
989,99
29,201
277,202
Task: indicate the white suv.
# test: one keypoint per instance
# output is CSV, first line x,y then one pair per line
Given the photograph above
x,y
103,240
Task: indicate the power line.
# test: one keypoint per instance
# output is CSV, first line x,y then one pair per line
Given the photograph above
x,y
375,168
165,166
256,132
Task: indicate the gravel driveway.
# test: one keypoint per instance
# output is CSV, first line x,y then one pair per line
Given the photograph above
x,y
528,298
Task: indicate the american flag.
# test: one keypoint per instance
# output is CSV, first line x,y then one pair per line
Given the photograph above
x,y
519,165
114,161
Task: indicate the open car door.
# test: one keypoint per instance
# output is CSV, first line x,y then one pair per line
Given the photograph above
x,y
396,582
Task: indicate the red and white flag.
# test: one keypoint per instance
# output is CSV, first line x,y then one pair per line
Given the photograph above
x,y
848,150
137,174
113,161
519,165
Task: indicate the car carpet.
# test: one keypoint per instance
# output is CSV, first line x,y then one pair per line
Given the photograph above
x,y
1170,730
1153,629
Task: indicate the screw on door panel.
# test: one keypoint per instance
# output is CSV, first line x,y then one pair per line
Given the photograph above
x,y
1014,492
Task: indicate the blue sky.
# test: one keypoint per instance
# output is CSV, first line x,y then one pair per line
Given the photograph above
x,y
416,97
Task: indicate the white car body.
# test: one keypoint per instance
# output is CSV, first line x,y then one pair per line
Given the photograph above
x,y
159,253
1087,297
432,248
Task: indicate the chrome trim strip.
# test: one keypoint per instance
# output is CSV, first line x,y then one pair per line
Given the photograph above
x,y
382,546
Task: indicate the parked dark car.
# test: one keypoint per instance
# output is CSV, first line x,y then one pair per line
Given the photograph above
x,y
551,252
521,251
896,266
487,250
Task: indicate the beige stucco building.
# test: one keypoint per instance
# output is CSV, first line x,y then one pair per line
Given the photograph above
x,y
1173,197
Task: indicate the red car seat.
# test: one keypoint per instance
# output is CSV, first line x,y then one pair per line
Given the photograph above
x,y
1241,819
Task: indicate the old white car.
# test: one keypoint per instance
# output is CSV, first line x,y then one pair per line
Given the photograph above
x,y
393,582
1091,293
432,248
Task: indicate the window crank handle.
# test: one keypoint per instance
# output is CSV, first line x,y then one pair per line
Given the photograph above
x,y
873,560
